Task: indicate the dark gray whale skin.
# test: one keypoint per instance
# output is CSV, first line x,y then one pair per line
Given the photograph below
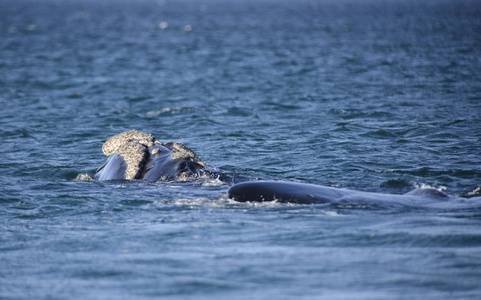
x,y
303,193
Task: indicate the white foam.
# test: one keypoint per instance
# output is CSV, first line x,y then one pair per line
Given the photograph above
x,y
428,186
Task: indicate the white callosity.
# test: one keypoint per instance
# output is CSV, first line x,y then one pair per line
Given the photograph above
x,y
133,146
181,151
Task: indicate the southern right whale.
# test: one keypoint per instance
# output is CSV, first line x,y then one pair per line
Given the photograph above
x,y
137,155
304,193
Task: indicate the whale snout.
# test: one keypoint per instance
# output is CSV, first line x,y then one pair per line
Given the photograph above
x,y
189,168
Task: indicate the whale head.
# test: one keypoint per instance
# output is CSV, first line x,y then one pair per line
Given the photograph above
x,y
136,155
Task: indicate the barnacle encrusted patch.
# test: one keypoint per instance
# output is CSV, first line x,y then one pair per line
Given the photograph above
x,y
181,151
133,146
114,143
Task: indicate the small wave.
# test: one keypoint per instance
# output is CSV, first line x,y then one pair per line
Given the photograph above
x,y
358,113
381,133
428,186
396,183
192,203
475,193
432,171
84,176
171,110
212,182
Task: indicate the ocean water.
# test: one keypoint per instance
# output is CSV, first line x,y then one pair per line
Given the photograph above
x,y
378,96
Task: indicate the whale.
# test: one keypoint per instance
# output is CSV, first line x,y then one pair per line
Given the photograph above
x,y
137,155
305,193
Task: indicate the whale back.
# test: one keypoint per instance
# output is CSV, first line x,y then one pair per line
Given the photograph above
x,y
302,193
288,192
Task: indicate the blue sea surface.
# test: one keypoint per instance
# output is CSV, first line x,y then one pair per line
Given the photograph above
x,y
378,95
